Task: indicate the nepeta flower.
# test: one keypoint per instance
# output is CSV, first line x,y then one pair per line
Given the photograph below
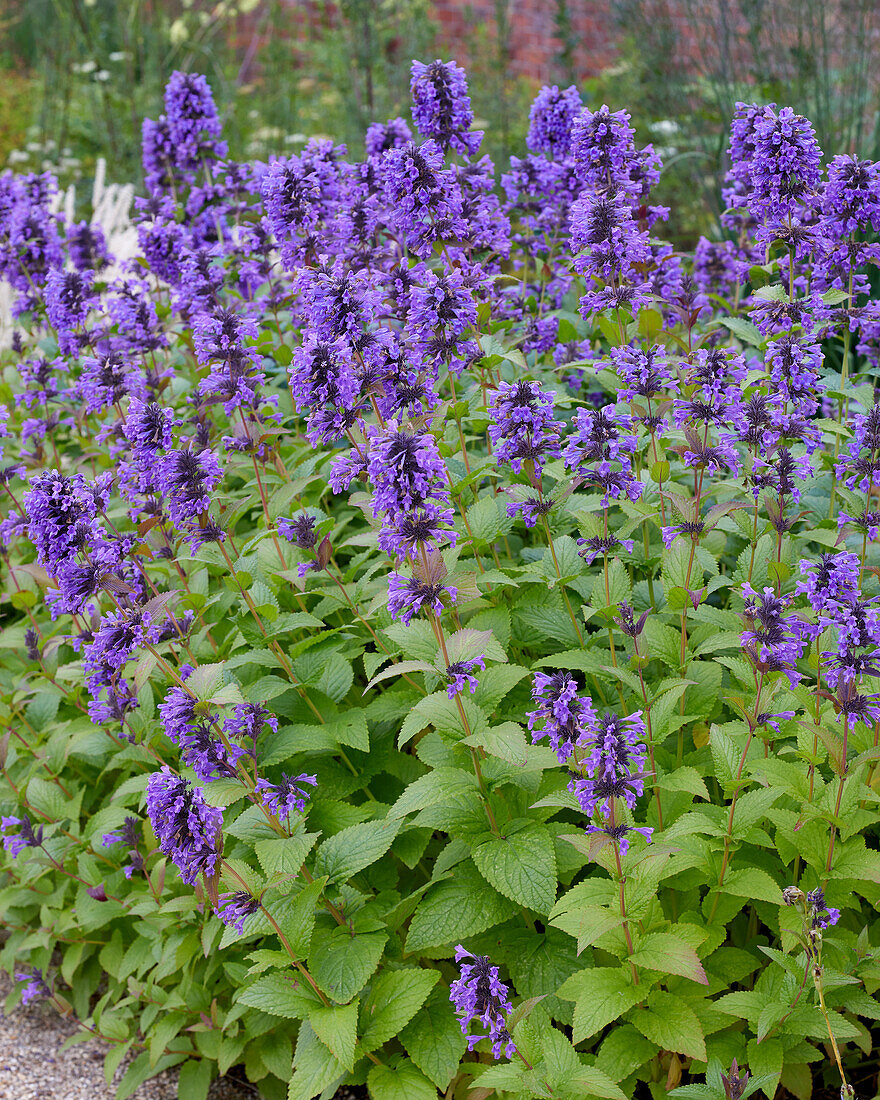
x,y
551,119
148,426
733,1084
852,704
87,246
25,837
868,523
834,577
129,834
773,638
765,718
408,595
459,675
288,795
382,136
235,908
69,300
406,471
601,436
602,146
441,106
187,479
422,206
566,716
861,465
817,907
480,994
692,529
523,428
187,828
248,721
408,533
614,766
300,530
35,987
784,163
207,755
532,508
644,373
592,548
61,512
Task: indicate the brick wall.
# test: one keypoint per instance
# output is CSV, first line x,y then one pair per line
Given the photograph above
x,y
533,42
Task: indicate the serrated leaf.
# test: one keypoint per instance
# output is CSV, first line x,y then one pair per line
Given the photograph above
x,y
455,909
672,1024
336,1027
434,1040
314,1069
394,999
351,850
663,951
601,994
507,741
400,1082
279,995
341,963
520,865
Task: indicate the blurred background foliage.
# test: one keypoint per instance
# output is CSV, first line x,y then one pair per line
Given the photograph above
x,y
77,76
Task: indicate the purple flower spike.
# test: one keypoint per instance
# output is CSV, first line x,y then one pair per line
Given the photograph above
x,y
568,719
408,595
187,828
551,119
479,994
288,795
817,907
35,987
25,837
441,106
459,675
235,908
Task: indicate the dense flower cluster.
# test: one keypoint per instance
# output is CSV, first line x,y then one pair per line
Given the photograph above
x,y
303,501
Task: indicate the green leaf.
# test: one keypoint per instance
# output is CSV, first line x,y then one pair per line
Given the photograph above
x,y
400,1082
351,850
341,963
313,1068
487,520
672,1024
295,916
521,865
279,995
456,908
395,997
752,882
588,924
440,711
284,856
507,741
744,331
440,784
434,1040
667,953
601,994
336,1027
195,1079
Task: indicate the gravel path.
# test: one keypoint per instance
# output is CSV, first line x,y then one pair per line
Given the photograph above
x,y
32,1068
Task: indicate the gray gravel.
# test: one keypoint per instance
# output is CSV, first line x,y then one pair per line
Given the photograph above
x,y
33,1068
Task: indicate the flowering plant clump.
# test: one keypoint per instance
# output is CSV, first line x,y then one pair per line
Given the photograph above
x,y
441,639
